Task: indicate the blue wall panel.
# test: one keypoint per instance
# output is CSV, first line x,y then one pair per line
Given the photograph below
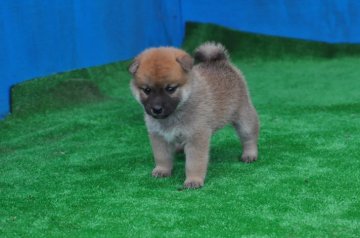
x,y
38,38
333,21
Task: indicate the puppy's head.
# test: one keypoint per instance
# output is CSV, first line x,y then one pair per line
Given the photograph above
x,y
160,80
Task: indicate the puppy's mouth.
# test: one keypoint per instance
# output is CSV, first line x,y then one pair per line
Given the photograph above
x,y
159,116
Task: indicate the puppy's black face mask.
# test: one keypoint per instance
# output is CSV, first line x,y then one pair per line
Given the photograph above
x,y
158,102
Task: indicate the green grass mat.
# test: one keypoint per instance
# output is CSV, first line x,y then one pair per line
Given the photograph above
x,y
75,159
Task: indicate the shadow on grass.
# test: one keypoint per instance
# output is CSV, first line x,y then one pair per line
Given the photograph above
x,y
55,95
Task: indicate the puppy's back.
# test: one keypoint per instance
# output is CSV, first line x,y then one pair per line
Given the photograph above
x,y
215,66
226,82
224,79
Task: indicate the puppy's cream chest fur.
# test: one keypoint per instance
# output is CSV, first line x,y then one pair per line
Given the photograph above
x,y
174,133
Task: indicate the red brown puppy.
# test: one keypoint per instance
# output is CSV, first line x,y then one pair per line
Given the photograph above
x,y
186,104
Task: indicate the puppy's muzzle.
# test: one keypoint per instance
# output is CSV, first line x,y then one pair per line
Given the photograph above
x,y
157,110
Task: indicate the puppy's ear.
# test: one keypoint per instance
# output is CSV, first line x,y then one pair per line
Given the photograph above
x,y
134,66
186,62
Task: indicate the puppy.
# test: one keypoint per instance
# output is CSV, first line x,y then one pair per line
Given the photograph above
x,y
186,103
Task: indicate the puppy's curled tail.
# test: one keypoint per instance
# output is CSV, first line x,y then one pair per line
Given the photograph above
x,y
211,52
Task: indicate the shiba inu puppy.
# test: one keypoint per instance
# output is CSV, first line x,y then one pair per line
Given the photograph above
x,y
186,103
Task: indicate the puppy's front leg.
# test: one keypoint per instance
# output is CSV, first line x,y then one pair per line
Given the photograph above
x,y
163,153
197,157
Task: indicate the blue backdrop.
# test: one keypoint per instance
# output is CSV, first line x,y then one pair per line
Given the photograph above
x,y
333,21
42,37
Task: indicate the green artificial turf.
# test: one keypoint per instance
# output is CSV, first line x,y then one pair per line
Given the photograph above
x,y
75,159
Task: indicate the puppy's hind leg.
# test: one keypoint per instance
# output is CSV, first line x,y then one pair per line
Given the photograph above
x,y
247,127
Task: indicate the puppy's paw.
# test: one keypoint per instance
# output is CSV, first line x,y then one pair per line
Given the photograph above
x,y
160,172
249,157
193,183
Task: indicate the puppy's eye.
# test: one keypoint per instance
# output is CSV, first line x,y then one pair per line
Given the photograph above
x,y
147,91
171,89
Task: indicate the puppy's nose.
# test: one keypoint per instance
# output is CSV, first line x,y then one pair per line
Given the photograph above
x,y
157,109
